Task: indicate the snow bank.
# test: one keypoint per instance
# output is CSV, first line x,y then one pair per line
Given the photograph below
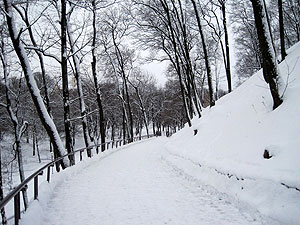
x,y
227,152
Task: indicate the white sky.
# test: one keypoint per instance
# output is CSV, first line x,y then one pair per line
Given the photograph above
x,y
157,69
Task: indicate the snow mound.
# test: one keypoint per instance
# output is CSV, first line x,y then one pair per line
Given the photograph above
x,y
233,136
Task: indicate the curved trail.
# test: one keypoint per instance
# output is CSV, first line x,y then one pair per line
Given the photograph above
x,y
136,186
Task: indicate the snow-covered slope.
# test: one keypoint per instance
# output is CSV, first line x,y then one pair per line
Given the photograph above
x,y
227,152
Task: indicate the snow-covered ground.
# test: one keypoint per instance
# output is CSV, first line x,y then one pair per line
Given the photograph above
x,y
227,152
218,176
31,163
135,184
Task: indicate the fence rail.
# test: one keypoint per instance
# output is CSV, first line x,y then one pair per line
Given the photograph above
x,y
15,194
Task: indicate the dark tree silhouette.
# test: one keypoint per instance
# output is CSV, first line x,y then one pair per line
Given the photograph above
x,y
269,64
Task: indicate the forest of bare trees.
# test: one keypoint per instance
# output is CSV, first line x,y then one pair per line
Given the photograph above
x,y
73,67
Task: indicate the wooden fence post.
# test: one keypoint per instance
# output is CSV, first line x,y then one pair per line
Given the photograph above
x,y
17,208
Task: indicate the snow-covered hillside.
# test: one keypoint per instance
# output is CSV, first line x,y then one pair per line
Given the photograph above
x,y
227,152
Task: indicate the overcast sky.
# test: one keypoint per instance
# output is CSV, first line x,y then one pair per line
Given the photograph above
x,y
158,69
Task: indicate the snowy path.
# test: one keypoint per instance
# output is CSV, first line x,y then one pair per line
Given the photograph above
x,y
136,186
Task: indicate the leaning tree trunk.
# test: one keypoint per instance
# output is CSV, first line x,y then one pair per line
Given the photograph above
x,y
65,84
207,64
97,89
269,63
4,220
40,56
25,18
32,86
43,71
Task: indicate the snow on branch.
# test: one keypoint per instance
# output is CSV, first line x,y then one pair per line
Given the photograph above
x,y
23,129
81,117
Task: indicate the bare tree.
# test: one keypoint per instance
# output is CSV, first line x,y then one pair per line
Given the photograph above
x,y
158,32
31,83
246,41
78,76
137,86
117,59
19,128
206,58
291,11
94,72
121,62
65,82
25,17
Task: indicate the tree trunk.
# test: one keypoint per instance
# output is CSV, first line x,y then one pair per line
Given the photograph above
x,y
113,132
27,137
97,89
38,149
195,104
42,66
176,62
126,92
142,109
32,86
33,140
82,105
18,130
269,63
228,69
65,84
4,220
153,123
269,26
188,115
129,109
25,18
124,126
21,167
130,133
207,64
281,30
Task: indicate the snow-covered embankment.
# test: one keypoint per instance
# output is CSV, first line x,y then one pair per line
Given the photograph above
x,y
227,152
